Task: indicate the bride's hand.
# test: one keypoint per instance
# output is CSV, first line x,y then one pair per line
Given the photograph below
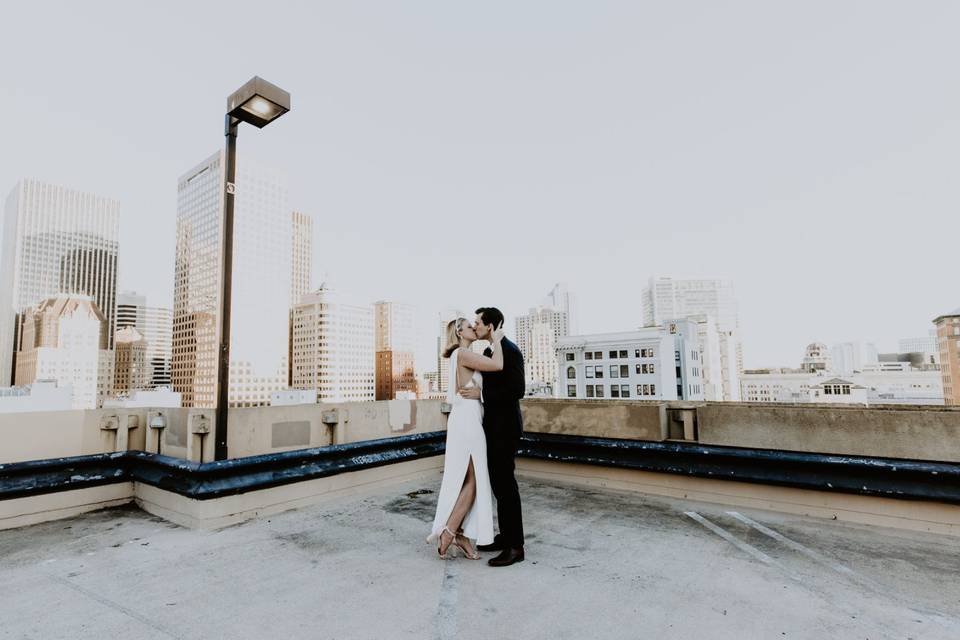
x,y
498,335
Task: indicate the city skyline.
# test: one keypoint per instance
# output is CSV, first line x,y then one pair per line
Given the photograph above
x,y
690,178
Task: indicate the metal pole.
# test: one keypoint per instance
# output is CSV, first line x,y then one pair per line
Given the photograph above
x,y
223,369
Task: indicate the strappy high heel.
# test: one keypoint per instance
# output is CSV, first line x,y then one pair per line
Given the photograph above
x,y
443,554
460,545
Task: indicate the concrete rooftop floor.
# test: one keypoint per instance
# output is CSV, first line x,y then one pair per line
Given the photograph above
x,y
600,564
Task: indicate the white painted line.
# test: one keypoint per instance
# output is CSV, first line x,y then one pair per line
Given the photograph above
x,y
796,546
732,539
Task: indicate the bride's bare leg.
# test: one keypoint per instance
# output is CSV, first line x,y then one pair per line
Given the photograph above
x,y
468,493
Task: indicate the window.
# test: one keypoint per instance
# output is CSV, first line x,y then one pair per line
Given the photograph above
x,y
624,371
639,389
613,371
588,355
599,390
846,389
613,354
624,391
588,371
598,370
614,391
589,390
827,390
598,355
569,357
623,353
571,391
650,368
644,368
571,373
636,353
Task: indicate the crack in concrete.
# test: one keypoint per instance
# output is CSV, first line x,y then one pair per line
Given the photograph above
x,y
114,605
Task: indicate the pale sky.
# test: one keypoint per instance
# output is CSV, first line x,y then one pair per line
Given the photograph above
x,y
467,154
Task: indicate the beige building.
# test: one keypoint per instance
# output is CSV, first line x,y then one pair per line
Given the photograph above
x,y
948,340
64,339
394,344
131,371
332,347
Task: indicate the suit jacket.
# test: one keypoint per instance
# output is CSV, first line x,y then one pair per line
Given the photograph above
x,y
502,390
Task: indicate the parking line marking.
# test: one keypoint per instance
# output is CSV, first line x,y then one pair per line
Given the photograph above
x,y
796,546
732,539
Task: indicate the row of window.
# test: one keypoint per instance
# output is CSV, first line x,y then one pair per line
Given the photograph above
x,y
616,371
836,390
613,355
616,390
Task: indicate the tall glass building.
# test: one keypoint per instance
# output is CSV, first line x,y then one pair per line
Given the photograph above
x,y
55,241
262,288
155,324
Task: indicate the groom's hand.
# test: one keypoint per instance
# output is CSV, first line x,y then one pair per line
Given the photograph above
x,y
473,393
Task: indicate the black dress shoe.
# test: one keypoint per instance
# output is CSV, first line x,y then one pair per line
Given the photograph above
x,y
507,557
496,545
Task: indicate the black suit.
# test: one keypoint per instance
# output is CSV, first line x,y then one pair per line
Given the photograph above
x,y
503,426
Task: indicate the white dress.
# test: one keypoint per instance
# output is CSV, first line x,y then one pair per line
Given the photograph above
x,y
465,440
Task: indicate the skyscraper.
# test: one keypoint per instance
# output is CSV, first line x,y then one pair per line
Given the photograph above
x,y
666,298
948,339
333,347
395,375
65,339
131,372
262,288
55,241
155,324
538,334
301,280
559,298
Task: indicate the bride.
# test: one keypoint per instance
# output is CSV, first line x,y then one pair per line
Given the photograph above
x,y
465,503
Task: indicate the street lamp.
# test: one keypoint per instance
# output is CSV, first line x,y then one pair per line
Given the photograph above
x,y
258,103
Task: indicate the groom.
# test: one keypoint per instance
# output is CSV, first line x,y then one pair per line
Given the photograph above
x,y
503,427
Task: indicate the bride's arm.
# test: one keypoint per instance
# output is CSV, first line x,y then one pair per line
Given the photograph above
x,y
476,362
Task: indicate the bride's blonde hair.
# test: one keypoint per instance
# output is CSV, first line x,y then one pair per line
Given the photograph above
x,y
453,336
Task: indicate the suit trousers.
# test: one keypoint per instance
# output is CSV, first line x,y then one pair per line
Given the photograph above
x,y
503,440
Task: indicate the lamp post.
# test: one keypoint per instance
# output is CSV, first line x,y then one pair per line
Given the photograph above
x,y
258,103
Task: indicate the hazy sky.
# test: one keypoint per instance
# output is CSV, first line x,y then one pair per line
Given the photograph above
x,y
469,154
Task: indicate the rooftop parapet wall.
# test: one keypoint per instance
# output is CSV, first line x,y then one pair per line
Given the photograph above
x,y
915,433
628,420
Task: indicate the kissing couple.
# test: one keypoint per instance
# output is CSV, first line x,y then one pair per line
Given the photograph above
x,y
483,433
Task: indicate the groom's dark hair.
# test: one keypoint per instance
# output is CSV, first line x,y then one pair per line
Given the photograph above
x,y
490,315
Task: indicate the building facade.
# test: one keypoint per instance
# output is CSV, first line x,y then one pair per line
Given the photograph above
x,y
55,241
333,347
653,363
394,345
948,343
301,280
848,357
538,334
64,339
131,372
665,298
155,324
261,284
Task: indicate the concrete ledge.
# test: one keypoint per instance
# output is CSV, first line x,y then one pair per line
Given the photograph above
x,y
20,512
233,509
931,517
